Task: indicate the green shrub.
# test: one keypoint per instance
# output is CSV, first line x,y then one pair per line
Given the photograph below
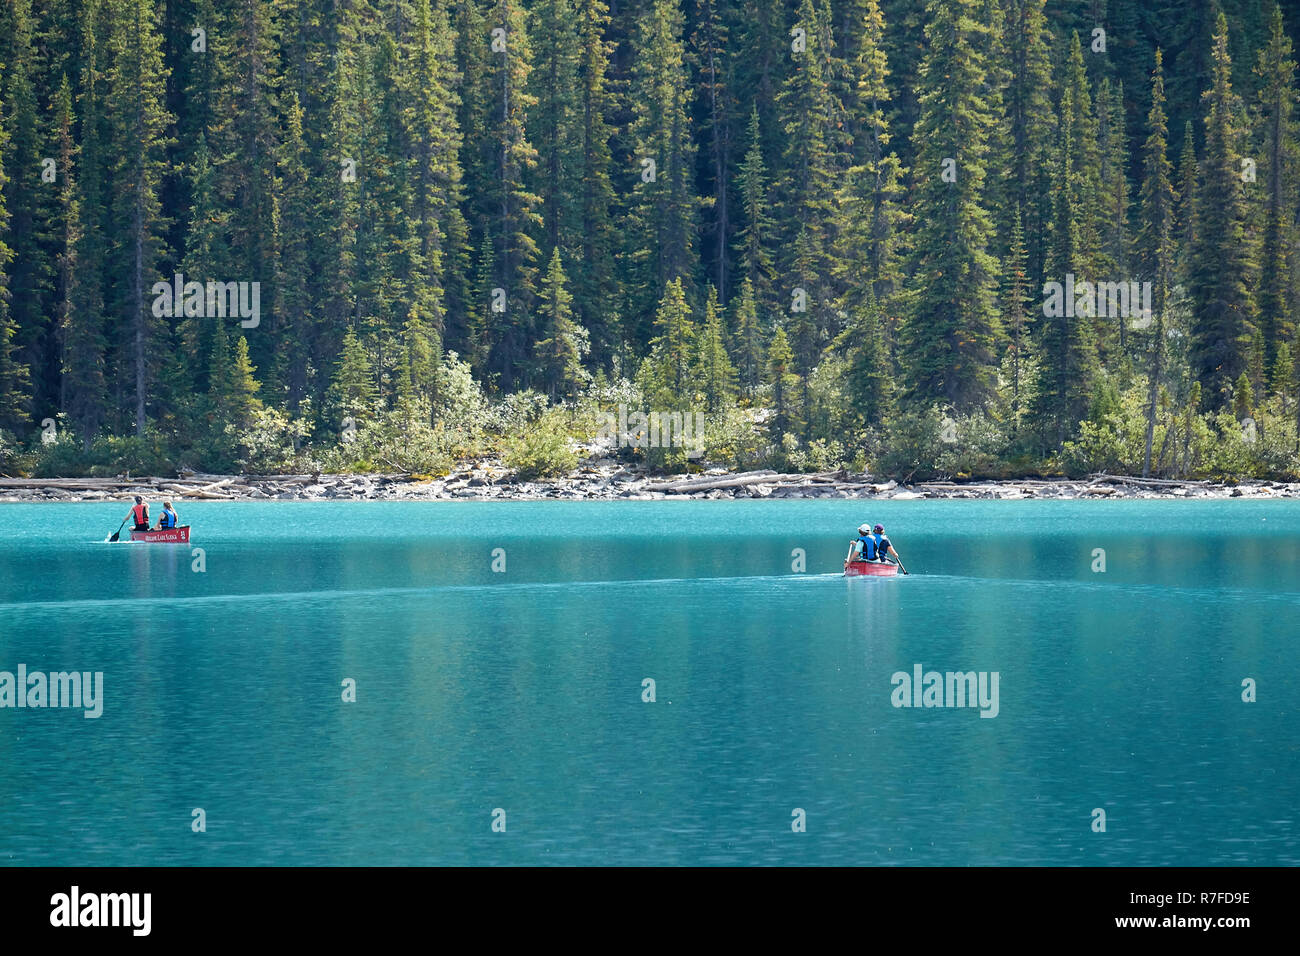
x,y
542,449
912,446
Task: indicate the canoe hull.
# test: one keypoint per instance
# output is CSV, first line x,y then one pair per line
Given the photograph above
x,y
179,535
869,569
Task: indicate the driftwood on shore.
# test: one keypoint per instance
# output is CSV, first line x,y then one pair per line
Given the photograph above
x,y
606,479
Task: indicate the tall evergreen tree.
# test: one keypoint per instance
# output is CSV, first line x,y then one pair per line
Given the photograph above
x,y
14,376
1156,240
81,340
1276,107
554,124
295,300
711,54
594,281
950,334
1220,266
666,371
560,353
84,376
870,201
758,230
1114,197
514,219
1066,347
1017,296
663,219
783,381
1028,110
869,379
31,207
808,112
1188,172
714,375
748,347
139,122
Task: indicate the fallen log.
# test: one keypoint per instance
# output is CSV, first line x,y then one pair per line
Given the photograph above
x,y
1152,482
706,484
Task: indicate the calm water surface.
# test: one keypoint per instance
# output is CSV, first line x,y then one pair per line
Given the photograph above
x,y
522,690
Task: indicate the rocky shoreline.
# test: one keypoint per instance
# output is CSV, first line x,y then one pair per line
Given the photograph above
x,y
609,480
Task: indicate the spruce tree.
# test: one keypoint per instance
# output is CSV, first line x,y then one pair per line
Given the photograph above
x,y
295,300
32,210
139,121
1220,266
512,206
1188,171
758,231
785,387
85,387
1276,107
666,372
748,345
711,55
870,201
554,123
1114,199
762,61
869,385
245,132
594,274
1029,119
808,110
353,390
560,353
1156,241
80,321
952,328
14,376
204,259
714,375
434,139
1017,296
663,214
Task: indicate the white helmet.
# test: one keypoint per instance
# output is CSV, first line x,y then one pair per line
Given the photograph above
x,y
864,529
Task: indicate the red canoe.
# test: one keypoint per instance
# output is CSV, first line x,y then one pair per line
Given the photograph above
x,y
179,535
872,568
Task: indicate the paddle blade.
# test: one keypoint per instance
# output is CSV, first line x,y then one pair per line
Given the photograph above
x,y
116,535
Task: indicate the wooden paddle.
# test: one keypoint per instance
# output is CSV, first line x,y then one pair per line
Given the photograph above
x,y
119,528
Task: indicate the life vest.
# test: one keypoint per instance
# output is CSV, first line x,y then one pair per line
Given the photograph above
x,y
168,518
868,552
141,513
879,545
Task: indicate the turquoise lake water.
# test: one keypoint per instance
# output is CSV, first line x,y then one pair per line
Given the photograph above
x,y
522,690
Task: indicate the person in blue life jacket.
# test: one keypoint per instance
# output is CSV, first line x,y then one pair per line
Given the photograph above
x,y
168,518
139,513
880,545
864,545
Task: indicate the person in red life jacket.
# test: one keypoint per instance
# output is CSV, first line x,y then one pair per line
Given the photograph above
x,y
168,518
140,513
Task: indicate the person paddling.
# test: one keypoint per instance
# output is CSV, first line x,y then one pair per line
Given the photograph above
x,y
862,548
881,546
168,518
140,513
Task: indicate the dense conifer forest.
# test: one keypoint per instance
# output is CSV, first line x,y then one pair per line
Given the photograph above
x,y
962,237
